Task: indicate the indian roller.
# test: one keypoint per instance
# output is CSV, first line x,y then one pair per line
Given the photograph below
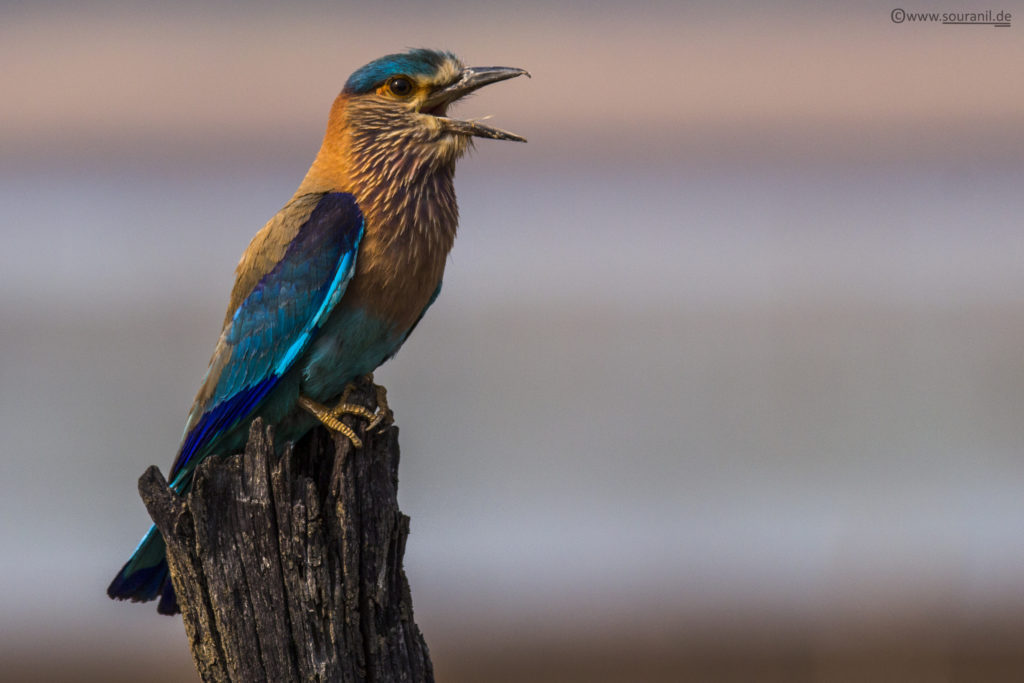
x,y
336,281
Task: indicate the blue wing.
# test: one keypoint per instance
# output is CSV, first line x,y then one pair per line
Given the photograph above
x,y
275,323
266,333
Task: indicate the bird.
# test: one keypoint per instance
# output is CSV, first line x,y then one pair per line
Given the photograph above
x,y
334,283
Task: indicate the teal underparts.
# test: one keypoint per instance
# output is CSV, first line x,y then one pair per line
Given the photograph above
x,y
352,343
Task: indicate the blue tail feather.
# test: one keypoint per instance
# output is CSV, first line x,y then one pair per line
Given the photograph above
x,y
145,576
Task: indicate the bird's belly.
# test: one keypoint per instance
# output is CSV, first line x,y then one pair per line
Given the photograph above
x,y
352,343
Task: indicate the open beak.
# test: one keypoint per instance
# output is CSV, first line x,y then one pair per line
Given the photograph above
x,y
470,79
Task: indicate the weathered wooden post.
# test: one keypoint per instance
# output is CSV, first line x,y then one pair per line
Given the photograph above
x,y
290,568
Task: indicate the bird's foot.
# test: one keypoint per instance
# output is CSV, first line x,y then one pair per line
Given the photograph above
x,y
328,419
331,417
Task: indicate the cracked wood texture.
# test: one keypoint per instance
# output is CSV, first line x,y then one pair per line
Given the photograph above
x,y
290,568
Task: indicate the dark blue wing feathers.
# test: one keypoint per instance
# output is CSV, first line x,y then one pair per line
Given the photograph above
x,y
276,321
267,333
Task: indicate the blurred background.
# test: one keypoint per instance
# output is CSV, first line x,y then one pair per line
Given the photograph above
x,y
727,376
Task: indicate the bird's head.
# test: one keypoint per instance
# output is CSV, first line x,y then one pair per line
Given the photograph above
x,y
396,108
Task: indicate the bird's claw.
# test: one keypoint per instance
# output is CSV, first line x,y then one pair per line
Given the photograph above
x,y
384,417
331,417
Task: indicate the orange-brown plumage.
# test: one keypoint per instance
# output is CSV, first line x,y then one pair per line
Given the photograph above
x,y
408,201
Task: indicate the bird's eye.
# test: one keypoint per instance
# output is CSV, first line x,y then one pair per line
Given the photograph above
x,y
400,86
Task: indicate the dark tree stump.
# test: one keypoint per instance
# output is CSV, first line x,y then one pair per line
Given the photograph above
x,y
290,568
